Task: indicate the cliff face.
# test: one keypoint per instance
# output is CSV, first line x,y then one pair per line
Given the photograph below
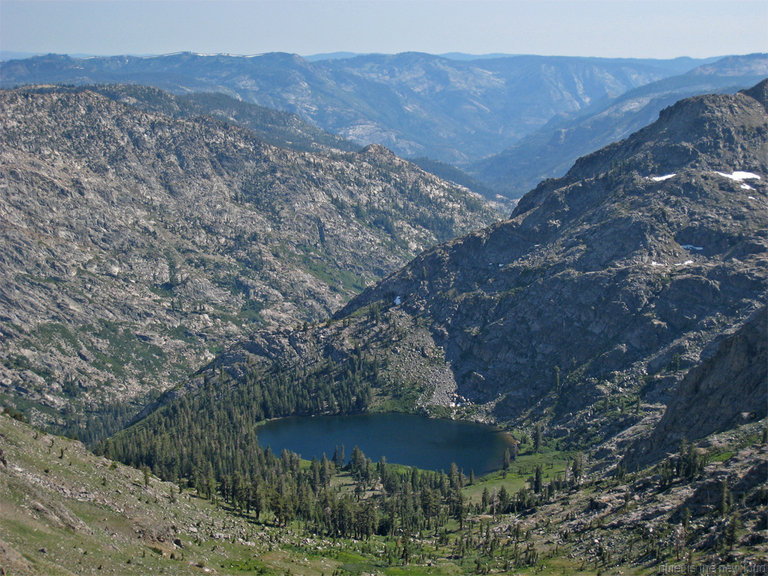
x,y
134,245
728,388
586,308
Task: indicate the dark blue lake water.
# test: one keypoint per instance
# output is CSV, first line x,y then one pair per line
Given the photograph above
x,y
402,438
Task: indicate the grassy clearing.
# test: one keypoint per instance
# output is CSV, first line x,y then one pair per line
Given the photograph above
x,y
553,465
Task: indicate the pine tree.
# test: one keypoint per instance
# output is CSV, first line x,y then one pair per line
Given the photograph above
x,y
731,529
725,498
504,500
577,468
485,499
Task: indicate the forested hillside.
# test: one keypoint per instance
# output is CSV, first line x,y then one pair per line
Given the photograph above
x,y
581,314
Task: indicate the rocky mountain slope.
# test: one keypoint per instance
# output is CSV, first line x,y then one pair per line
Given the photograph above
x,y
727,389
416,104
135,245
275,127
582,312
550,151
638,257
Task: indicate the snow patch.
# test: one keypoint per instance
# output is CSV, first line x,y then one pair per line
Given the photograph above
x,y
662,178
739,176
692,247
686,263
655,264
746,187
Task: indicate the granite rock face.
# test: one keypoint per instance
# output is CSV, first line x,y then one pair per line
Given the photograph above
x,y
136,245
727,389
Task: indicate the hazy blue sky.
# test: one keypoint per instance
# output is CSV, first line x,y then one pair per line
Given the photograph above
x,y
629,28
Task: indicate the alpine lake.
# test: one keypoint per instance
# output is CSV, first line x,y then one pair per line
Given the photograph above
x,y
407,439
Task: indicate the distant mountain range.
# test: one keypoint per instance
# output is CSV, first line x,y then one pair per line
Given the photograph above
x,y
537,113
551,150
453,110
14,55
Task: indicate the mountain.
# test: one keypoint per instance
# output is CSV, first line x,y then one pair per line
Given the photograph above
x,y
608,283
615,326
550,151
274,127
582,313
135,244
416,104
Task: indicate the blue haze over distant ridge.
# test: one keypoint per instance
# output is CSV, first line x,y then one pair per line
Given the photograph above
x,y
459,109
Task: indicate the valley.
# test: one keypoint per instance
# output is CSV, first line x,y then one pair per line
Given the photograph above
x,y
185,274
509,122
416,104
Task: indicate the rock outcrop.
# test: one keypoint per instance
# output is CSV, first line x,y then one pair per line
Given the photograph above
x,y
727,389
